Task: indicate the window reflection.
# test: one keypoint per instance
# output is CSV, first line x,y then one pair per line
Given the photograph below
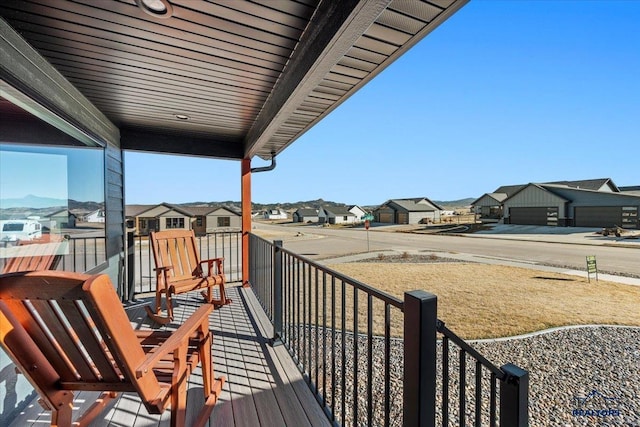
x,y
52,212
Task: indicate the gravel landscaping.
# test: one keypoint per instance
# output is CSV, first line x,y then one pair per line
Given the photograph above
x,y
579,376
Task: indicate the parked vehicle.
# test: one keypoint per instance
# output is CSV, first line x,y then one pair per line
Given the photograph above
x,y
13,230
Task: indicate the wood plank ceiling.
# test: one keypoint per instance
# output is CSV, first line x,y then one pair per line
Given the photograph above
x,y
228,79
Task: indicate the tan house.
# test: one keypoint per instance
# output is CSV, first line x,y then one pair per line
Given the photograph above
x,y
223,218
202,220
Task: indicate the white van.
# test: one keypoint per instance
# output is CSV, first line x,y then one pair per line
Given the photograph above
x,y
13,230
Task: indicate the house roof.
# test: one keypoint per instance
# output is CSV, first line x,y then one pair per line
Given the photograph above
x,y
509,189
338,210
230,80
498,197
419,204
306,212
135,210
541,187
200,210
587,184
566,191
631,189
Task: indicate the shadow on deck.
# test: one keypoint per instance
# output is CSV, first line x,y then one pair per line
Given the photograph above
x,y
263,388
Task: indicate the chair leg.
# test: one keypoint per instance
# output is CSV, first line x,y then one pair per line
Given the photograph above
x,y
212,389
62,415
179,388
223,295
169,305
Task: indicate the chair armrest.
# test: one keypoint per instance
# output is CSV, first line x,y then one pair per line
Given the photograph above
x,y
180,336
210,262
165,268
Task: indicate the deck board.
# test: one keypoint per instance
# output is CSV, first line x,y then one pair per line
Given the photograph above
x,y
263,386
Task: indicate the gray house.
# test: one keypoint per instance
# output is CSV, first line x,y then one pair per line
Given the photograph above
x,y
489,206
407,211
306,215
587,203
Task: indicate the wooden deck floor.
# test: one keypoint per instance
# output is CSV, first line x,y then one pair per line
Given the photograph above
x,y
263,386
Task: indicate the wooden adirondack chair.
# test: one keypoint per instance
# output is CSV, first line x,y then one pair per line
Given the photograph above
x,y
40,254
69,332
179,270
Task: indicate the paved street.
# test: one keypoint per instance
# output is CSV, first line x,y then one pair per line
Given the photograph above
x,y
568,249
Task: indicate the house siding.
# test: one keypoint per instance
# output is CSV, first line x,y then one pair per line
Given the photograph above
x,y
114,205
533,196
235,220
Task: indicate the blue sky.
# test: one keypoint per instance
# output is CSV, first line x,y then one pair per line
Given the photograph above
x,y
504,92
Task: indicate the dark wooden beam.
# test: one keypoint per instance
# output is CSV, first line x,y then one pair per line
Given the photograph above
x,y
29,81
32,130
334,28
174,143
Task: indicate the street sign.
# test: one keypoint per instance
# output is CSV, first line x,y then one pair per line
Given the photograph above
x,y
367,224
591,267
367,217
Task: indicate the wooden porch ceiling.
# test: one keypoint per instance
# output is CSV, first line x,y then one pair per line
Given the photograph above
x,y
250,76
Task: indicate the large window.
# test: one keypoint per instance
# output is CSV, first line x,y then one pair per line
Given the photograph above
x,y
224,221
175,222
52,196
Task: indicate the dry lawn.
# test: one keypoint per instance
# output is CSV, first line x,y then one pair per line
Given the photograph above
x,y
487,301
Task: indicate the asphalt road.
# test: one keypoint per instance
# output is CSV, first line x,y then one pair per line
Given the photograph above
x,y
320,243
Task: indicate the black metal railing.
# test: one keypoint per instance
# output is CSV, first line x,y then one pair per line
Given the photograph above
x,y
339,331
370,358
140,265
483,394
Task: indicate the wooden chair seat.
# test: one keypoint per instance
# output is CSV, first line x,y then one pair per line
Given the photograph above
x,y
68,332
180,270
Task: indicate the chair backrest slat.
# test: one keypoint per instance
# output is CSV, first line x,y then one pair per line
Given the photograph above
x,y
176,248
50,349
84,331
63,338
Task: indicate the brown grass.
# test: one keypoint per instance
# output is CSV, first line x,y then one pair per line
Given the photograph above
x,y
484,301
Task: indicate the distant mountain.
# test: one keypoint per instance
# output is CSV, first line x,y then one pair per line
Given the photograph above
x,y
312,204
31,201
455,203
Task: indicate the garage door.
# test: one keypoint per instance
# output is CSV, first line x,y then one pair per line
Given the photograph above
x,y
386,217
534,216
403,218
598,216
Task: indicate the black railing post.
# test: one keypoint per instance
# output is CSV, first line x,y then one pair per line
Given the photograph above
x,y
277,293
514,397
420,316
131,266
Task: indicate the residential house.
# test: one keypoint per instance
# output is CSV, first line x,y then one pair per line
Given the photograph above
x,y
58,219
585,203
357,211
275,214
200,219
95,216
336,215
407,211
161,217
488,207
306,215
222,218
